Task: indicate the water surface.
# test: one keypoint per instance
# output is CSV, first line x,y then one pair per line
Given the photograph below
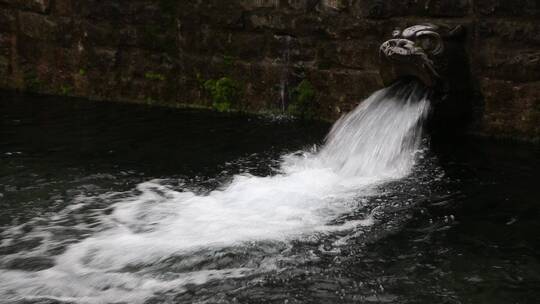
x,y
462,228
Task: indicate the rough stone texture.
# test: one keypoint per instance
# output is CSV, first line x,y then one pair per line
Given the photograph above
x,y
161,51
511,108
39,6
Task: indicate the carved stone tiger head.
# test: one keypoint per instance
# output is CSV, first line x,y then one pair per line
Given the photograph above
x,y
423,51
437,56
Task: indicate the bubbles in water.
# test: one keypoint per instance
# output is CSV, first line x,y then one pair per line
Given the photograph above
x,y
120,257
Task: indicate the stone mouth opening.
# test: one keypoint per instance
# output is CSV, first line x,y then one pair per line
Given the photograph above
x,y
436,56
403,58
413,52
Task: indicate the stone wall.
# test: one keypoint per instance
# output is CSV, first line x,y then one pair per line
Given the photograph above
x,y
163,51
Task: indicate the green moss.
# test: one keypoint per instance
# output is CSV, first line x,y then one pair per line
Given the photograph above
x,y
228,61
304,101
224,93
200,80
66,90
32,82
82,72
154,76
150,101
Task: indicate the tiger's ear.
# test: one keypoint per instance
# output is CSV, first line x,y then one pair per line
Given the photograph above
x,y
457,32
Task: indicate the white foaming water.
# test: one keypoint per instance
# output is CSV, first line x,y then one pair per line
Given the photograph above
x,y
117,260
379,138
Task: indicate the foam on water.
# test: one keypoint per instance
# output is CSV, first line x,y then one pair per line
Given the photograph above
x,y
116,258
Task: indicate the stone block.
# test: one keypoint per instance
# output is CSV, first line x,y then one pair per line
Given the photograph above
x,y
248,46
224,14
38,26
511,109
507,49
103,58
98,33
357,54
308,25
5,42
380,9
342,90
299,4
510,64
46,68
152,37
205,42
63,7
368,29
284,48
514,8
8,18
4,66
256,4
508,32
38,6
96,10
333,5
261,84
269,20
143,12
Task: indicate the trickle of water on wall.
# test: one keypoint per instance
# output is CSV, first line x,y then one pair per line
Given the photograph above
x,y
284,85
158,239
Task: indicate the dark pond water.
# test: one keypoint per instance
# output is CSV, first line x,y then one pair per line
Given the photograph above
x,y
462,228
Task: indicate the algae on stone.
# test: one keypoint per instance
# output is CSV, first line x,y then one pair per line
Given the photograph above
x,y
304,101
223,92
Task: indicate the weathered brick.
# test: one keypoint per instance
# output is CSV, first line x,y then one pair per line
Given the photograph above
x,y
507,49
510,64
522,8
63,7
8,20
399,8
511,109
38,26
358,54
508,33
39,6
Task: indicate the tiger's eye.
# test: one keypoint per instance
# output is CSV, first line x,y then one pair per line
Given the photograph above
x,y
426,43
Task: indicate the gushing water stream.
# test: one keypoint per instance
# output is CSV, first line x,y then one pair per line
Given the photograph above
x,y
157,239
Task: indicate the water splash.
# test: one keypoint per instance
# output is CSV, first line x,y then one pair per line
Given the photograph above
x,y
381,136
123,252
